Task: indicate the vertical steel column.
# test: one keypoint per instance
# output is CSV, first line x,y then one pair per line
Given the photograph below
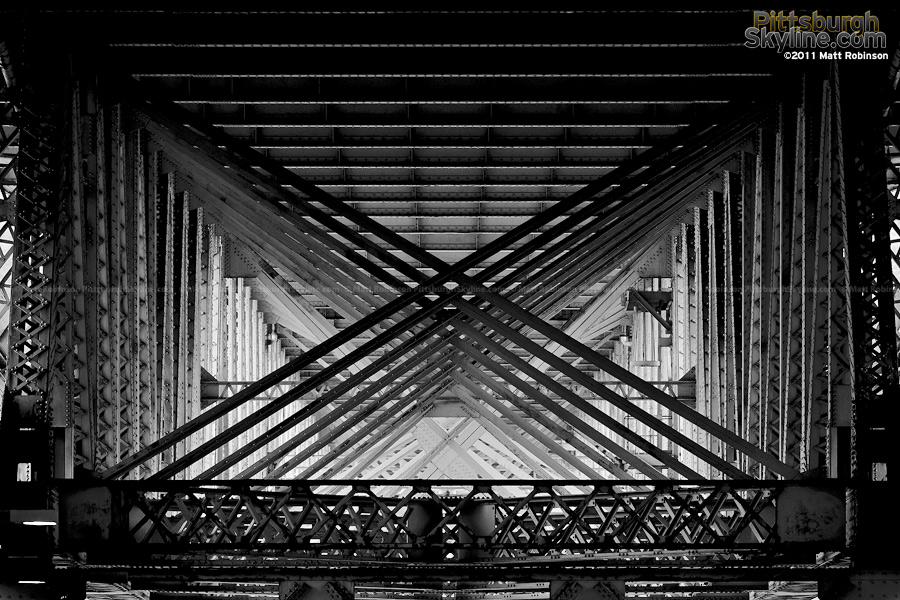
x,y
143,332
179,312
240,364
86,140
215,327
204,308
679,302
872,343
701,263
757,381
165,317
215,361
6,254
774,177
749,295
154,376
191,336
38,396
796,316
8,123
845,332
681,325
63,384
692,341
107,399
230,347
815,411
128,438
714,245
732,301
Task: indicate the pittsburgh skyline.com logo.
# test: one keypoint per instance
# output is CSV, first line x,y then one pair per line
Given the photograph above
x,y
817,35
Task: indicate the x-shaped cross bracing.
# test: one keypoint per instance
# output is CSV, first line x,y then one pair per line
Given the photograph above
x,y
451,325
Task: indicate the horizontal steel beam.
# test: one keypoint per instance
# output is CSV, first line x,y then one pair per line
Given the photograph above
x,y
438,90
703,566
423,29
395,139
399,116
481,61
440,165
427,521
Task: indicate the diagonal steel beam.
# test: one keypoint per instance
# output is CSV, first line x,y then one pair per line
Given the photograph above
x,y
650,309
627,377
361,414
237,154
431,382
453,451
409,406
263,234
503,434
473,399
318,327
583,405
527,426
308,410
382,381
367,456
414,466
405,450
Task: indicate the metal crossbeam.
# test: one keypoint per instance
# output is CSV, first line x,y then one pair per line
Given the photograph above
x,y
358,521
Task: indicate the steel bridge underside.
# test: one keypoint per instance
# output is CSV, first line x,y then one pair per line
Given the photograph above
x,y
336,326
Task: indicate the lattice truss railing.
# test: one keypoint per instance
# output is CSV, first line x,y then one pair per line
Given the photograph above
x,y
159,211
458,519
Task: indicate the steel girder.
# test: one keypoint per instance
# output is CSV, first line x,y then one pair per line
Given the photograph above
x,y
358,521
872,379
41,386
